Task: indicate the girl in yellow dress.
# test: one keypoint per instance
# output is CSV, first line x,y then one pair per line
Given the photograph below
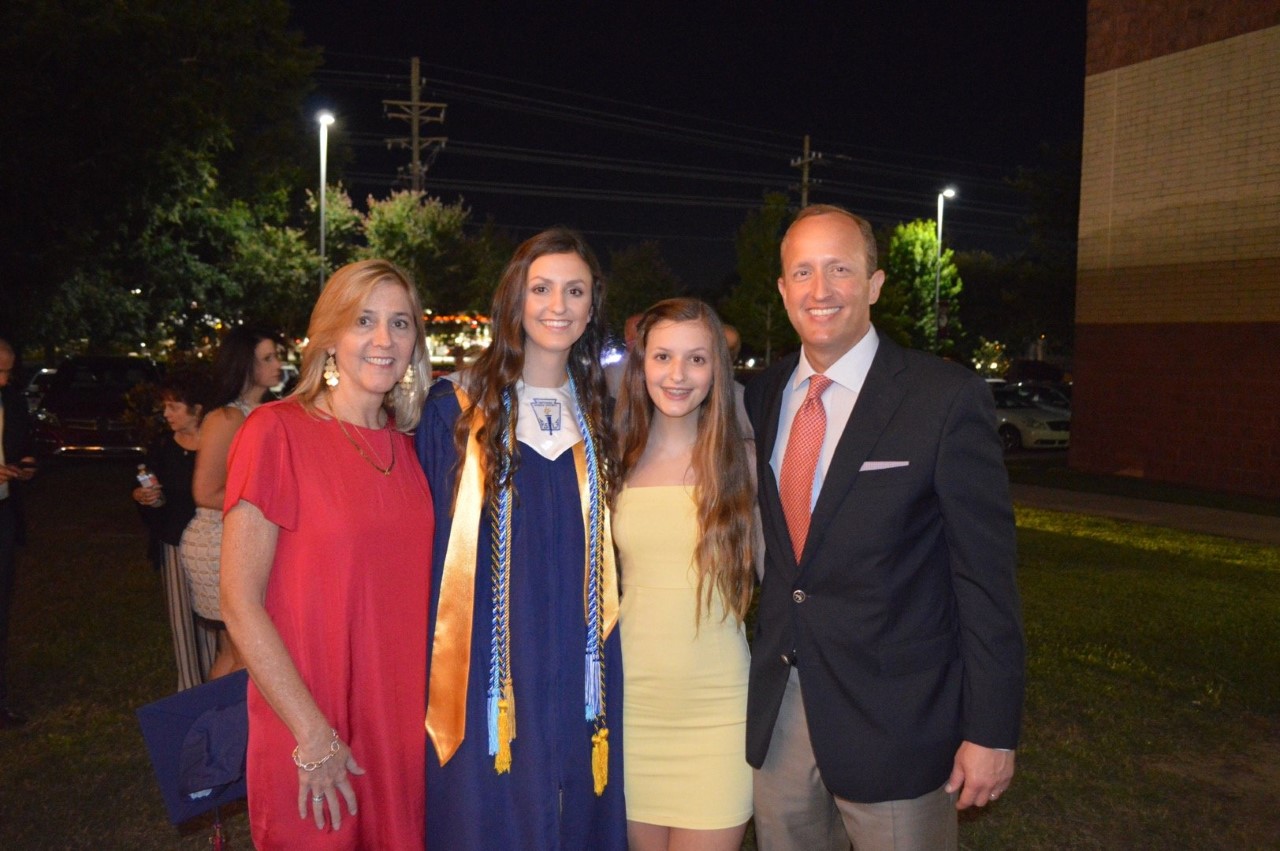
x,y
685,527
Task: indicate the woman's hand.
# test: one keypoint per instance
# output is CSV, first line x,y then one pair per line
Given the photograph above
x,y
146,496
321,787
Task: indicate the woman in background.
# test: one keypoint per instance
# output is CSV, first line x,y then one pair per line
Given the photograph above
x,y
525,662
685,526
168,507
325,577
246,367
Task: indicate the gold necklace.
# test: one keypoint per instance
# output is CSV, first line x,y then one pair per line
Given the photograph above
x,y
372,463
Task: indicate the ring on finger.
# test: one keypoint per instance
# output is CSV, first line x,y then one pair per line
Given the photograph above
x,y
316,799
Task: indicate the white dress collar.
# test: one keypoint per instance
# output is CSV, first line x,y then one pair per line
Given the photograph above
x,y
547,421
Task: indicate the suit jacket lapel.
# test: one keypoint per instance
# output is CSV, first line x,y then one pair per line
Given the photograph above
x,y
877,401
775,523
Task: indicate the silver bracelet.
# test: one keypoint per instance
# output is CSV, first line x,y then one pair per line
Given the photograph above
x,y
312,766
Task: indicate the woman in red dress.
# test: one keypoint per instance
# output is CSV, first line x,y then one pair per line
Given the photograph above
x,y
325,577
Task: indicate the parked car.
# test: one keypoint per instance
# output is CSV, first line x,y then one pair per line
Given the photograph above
x,y
1022,423
1053,395
37,387
84,411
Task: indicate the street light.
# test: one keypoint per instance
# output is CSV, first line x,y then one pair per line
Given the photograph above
x,y
949,192
324,118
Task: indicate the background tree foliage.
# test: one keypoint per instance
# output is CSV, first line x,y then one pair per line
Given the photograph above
x,y
344,227
638,277
454,265
1027,301
910,263
121,121
754,305
425,237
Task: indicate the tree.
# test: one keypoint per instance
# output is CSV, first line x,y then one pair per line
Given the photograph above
x,y
911,273
276,269
994,306
128,123
490,250
191,268
1049,276
638,278
344,227
425,237
754,305
989,358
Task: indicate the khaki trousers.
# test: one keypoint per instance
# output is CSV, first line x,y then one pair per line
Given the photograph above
x,y
794,810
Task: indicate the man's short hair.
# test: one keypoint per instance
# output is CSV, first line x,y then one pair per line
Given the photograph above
x,y
864,227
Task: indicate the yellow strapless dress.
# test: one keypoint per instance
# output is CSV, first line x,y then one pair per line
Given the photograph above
x,y
685,688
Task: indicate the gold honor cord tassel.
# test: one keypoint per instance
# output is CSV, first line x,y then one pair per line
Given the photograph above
x,y
451,645
506,729
509,695
609,604
600,759
609,571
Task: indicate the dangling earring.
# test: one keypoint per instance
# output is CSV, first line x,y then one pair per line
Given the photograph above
x,y
407,381
331,371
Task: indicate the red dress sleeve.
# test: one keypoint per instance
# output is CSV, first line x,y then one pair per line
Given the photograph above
x,y
260,466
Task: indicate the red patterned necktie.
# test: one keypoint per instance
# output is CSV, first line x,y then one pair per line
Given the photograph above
x,y
801,460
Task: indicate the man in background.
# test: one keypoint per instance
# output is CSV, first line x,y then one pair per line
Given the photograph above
x,y
613,371
17,465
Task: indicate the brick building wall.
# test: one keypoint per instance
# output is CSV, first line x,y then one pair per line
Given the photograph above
x,y
1177,361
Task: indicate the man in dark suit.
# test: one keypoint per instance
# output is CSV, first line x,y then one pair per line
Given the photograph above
x,y
887,666
17,464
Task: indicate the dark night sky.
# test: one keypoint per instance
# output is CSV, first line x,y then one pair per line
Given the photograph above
x,y
667,121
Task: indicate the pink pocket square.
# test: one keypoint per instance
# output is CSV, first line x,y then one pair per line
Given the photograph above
x,y
882,465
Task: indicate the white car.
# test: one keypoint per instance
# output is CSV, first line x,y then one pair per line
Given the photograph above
x,y
37,387
1055,397
1024,424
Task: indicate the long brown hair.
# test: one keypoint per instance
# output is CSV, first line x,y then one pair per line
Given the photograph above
x,y
500,366
726,497
336,310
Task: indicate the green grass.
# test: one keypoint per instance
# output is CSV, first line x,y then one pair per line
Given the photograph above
x,y
1153,704
1153,707
89,645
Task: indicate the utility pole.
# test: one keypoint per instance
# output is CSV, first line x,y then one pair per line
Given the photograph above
x,y
803,163
417,114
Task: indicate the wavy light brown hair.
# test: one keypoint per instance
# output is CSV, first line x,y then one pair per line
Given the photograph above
x,y
726,494
500,365
336,310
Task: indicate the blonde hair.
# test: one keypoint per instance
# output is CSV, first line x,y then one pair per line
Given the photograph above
x,y
336,310
725,553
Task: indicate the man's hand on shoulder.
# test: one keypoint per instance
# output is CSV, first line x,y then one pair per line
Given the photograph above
x,y
981,774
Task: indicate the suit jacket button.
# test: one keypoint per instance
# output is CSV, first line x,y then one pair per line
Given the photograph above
x,y
798,596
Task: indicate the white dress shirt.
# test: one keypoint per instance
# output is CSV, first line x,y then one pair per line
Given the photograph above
x,y
847,376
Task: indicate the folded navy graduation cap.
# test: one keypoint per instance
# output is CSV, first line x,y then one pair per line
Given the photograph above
x,y
197,740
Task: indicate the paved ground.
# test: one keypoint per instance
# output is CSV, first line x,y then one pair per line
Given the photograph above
x,y
1212,521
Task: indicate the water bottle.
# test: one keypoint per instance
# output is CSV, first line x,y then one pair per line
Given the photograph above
x,y
148,479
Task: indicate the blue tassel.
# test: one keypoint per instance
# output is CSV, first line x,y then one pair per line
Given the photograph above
x,y
494,697
593,686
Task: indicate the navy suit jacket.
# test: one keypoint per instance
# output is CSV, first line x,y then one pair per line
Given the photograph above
x,y
902,613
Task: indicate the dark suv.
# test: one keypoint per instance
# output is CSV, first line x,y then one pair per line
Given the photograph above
x,y
84,410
